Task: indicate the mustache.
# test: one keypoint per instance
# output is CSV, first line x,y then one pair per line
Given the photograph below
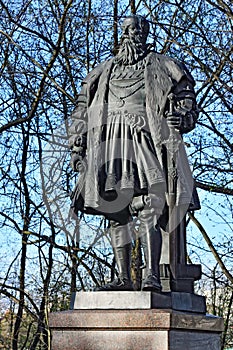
x,y
136,38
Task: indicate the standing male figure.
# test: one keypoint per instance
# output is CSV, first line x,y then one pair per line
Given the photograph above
x,y
127,111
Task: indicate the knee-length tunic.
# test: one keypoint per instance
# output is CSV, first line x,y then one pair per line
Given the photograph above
x,y
128,156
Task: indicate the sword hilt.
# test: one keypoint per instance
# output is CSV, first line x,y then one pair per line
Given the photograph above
x,y
171,98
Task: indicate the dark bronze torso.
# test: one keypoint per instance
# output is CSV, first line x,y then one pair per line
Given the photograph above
x,y
127,88
126,97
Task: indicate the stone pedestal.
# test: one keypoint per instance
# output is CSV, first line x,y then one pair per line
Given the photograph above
x,y
129,328
138,300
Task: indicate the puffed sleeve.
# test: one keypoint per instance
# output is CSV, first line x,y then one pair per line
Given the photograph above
x,y
78,129
185,104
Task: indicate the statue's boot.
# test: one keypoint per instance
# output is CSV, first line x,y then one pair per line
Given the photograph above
x,y
151,240
122,246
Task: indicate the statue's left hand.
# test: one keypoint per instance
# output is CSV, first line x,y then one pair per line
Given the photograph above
x,y
174,120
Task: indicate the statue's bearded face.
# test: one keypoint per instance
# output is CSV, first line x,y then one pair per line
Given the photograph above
x,y
132,47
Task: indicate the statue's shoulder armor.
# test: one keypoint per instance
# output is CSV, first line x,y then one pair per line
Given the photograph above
x,y
96,72
176,69
163,59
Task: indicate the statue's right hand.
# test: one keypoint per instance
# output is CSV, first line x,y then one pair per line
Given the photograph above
x,y
77,162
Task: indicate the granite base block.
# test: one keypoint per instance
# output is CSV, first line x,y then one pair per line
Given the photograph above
x,y
149,329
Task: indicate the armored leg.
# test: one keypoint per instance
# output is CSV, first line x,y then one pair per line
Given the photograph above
x,y
151,240
122,246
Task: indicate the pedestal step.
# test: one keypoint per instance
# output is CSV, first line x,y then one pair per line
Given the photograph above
x,y
138,300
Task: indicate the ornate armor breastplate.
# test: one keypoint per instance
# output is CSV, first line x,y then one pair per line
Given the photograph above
x,y
127,89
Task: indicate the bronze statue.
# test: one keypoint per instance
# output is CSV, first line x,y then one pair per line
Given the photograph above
x,y
126,143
